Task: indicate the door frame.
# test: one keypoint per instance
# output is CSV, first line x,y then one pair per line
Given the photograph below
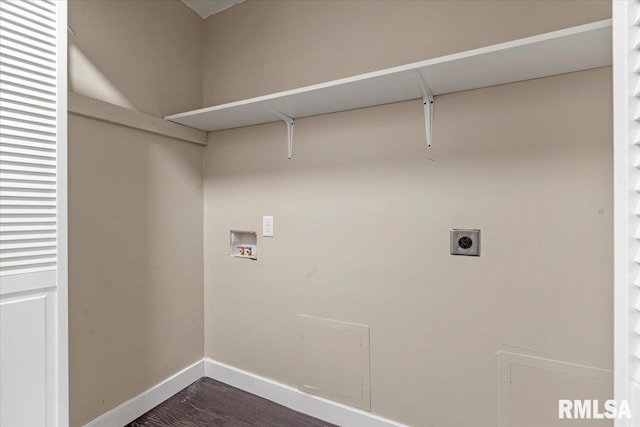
x,y
626,200
62,322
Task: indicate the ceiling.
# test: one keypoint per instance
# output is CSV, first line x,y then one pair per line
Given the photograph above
x,y
206,8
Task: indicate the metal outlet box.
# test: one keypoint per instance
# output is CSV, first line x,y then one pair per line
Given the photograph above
x,y
465,242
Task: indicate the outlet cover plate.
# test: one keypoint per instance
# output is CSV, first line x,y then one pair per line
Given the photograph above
x,y
465,242
267,226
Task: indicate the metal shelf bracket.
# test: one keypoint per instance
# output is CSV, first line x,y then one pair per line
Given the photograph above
x,y
427,103
289,121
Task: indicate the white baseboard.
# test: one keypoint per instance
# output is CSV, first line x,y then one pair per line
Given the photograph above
x,y
135,407
326,410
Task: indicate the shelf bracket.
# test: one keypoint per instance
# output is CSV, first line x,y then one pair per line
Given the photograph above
x,y
289,121
427,103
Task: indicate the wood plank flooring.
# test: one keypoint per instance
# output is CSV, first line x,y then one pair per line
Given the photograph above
x,y
207,402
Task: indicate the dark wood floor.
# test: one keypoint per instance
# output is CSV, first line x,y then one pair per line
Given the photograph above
x,y
211,403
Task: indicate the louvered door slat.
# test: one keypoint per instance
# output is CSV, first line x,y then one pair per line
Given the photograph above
x,y
27,151
27,178
20,82
39,19
35,63
25,182
25,26
17,121
35,6
26,193
30,202
27,246
35,219
41,103
10,116
26,210
27,227
16,133
30,9
17,70
17,107
33,52
23,40
26,160
6,255
28,137
23,130
22,168
25,185
28,12
32,92
43,5
14,237
23,139
36,50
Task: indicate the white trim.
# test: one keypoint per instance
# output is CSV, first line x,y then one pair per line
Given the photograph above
x,y
85,106
61,352
621,195
25,282
314,406
326,410
624,201
635,397
137,406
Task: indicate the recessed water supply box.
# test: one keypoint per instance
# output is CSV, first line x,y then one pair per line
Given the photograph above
x,y
243,244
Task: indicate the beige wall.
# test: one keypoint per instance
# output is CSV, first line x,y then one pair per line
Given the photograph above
x,y
260,47
530,159
135,263
135,205
529,163
139,54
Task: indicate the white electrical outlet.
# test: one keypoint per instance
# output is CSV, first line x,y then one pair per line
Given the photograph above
x,y
267,226
465,242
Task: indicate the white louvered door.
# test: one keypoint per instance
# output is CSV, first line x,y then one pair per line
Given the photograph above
x,y
33,217
626,90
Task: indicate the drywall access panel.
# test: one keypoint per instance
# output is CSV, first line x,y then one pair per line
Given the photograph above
x,y
571,49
